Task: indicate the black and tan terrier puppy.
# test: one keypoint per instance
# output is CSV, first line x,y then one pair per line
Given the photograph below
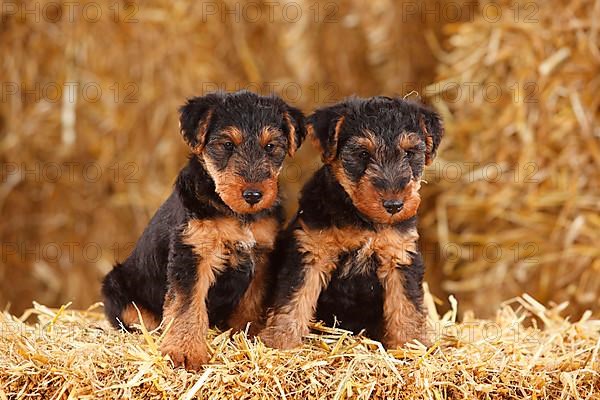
x,y
350,256
201,261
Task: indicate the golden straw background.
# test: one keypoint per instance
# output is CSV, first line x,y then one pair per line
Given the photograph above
x,y
512,202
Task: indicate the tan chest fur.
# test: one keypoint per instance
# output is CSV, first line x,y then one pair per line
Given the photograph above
x,y
218,240
323,247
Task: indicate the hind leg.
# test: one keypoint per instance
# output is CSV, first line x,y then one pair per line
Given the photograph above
x,y
119,303
131,317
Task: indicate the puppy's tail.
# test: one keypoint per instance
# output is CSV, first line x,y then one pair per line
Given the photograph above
x,y
114,293
119,306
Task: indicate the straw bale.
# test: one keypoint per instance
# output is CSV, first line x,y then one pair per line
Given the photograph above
x,y
513,203
526,351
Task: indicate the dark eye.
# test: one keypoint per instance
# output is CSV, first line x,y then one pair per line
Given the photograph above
x,y
365,155
269,148
228,146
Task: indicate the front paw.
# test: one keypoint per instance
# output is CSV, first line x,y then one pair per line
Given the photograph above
x,y
283,338
191,356
399,341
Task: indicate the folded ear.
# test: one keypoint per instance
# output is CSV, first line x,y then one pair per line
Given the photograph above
x,y
432,129
294,128
324,127
194,120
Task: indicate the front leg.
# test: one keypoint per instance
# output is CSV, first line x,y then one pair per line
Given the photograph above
x,y
288,322
194,262
305,272
185,340
404,316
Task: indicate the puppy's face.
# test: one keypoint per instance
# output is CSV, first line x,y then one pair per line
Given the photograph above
x,y
377,149
242,140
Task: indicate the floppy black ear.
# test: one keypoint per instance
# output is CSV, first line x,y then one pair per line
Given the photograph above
x,y
294,128
324,127
194,120
432,129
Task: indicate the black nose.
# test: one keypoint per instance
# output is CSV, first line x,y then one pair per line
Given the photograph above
x,y
393,206
252,196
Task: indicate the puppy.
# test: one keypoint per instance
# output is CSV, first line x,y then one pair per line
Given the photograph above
x,y
201,261
350,256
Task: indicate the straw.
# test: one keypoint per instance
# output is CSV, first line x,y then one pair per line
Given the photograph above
x,y
513,201
74,354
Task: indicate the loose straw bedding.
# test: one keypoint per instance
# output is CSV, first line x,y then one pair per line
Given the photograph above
x,y
526,351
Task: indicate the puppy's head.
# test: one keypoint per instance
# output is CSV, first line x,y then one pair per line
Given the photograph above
x,y
242,139
377,149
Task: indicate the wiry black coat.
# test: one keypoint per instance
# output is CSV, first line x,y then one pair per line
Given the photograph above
x,y
238,143
142,277
353,302
357,212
